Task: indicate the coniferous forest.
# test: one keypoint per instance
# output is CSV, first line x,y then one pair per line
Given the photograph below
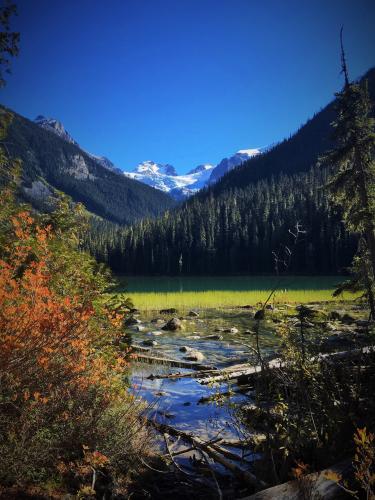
x,y
234,232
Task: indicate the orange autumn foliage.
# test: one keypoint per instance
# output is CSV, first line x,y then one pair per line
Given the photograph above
x,y
49,341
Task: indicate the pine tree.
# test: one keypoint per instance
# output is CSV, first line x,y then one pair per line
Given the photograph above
x,y
352,185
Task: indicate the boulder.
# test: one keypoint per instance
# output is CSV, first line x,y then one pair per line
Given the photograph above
x,y
347,319
194,356
334,316
132,321
231,330
173,325
363,323
149,343
171,310
193,314
185,348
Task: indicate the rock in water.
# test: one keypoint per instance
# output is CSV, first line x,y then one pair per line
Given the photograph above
x,y
193,314
195,356
231,330
173,325
149,343
172,310
132,321
185,348
347,319
334,316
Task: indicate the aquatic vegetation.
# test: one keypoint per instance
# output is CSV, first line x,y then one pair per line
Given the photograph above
x,y
223,299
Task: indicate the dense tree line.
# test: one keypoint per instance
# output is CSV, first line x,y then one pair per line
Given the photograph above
x,y
234,232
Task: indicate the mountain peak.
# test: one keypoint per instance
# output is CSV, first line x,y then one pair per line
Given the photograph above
x,y
248,152
151,168
201,168
56,127
228,164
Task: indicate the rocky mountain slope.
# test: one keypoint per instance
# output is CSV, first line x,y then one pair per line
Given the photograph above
x,y
53,161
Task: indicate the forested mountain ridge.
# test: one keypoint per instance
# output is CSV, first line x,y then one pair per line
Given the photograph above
x,y
51,163
236,225
234,232
298,153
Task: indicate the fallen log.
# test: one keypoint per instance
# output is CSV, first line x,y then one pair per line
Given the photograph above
x,y
314,485
254,439
202,373
179,375
142,358
247,374
242,474
139,348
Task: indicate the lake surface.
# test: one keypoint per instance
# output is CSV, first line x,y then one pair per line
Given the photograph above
x,y
167,284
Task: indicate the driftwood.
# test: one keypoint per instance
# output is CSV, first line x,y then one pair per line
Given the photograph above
x,y
178,375
239,371
245,373
139,348
204,372
254,439
213,453
142,358
314,485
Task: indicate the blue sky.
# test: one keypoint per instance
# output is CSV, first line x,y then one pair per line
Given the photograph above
x,y
183,81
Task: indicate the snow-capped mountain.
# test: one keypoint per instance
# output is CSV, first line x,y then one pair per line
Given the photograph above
x,y
164,177
228,164
157,175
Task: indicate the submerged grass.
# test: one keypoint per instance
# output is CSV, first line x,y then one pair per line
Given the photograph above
x,y
148,301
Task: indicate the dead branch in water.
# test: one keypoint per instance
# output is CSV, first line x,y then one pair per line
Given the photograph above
x,y
242,474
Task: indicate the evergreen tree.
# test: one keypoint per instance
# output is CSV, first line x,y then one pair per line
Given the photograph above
x,y
352,186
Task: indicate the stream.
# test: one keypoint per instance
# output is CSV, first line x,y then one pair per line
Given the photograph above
x,y
178,402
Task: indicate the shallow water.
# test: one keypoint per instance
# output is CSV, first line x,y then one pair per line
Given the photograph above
x,y
177,401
